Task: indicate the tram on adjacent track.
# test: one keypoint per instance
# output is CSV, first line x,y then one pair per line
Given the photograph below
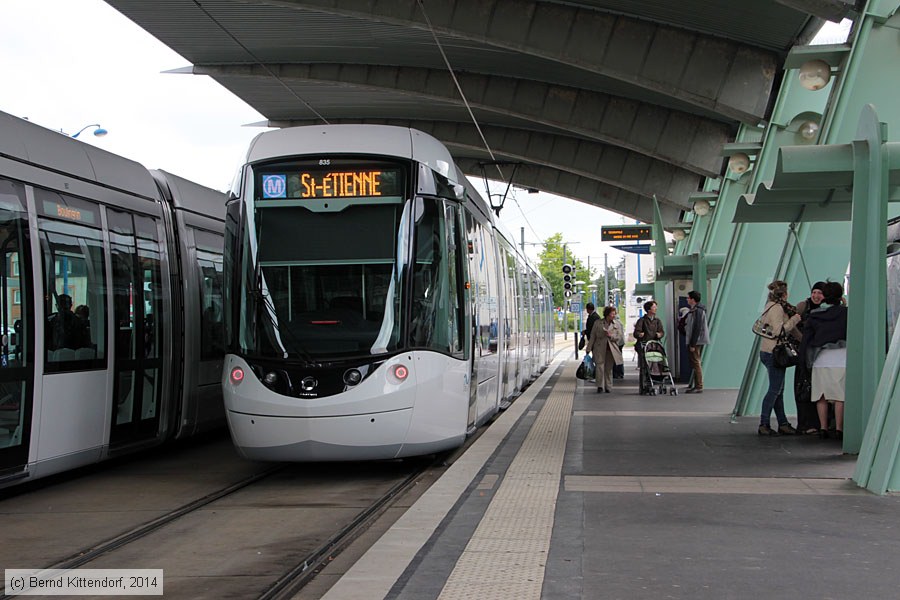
x,y
375,309
111,307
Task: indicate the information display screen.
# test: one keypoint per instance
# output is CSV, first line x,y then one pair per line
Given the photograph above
x,y
623,233
329,179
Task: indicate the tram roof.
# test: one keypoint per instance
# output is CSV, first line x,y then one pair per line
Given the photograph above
x,y
26,142
609,102
385,140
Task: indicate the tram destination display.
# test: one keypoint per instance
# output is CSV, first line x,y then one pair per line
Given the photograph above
x,y
325,181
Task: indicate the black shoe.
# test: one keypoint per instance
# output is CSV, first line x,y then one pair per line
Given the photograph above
x,y
838,434
823,434
766,430
693,391
599,390
607,391
787,429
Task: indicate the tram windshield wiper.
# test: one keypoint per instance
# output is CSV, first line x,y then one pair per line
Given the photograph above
x,y
265,308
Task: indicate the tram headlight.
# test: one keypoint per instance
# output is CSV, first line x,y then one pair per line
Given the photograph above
x,y
352,377
271,378
237,375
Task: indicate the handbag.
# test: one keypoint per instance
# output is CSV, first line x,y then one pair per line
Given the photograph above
x,y
763,329
581,343
786,354
579,372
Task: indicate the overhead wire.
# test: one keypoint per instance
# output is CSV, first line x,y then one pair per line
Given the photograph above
x,y
465,100
261,63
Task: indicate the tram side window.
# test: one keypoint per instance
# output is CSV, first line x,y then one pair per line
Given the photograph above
x,y
14,279
212,305
74,285
436,311
15,319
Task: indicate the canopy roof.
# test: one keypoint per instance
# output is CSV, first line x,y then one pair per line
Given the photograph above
x,y
605,101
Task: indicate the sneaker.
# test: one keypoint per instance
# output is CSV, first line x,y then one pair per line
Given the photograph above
x,y
787,429
693,391
766,430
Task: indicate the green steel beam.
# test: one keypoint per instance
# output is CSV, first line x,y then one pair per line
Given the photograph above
x,y
866,323
878,465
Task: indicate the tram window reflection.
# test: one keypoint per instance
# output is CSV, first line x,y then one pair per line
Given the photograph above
x,y
15,299
212,303
74,276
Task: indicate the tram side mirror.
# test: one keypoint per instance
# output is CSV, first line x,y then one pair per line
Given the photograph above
x,y
459,191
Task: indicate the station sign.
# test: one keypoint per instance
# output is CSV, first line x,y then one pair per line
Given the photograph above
x,y
633,248
626,233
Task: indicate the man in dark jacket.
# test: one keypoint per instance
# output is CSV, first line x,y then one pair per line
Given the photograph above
x,y
591,319
697,334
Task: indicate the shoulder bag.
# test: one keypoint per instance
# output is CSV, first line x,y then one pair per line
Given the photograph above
x,y
763,329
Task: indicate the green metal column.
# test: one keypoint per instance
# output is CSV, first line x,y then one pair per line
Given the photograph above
x,y
866,326
878,465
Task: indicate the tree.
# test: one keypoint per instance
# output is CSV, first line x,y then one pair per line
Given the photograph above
x,y
551,262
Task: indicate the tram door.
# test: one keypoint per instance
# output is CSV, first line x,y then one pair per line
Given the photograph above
x,y
137,299
16,322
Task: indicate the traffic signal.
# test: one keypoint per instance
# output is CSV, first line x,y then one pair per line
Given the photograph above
x,y
610,299
568,278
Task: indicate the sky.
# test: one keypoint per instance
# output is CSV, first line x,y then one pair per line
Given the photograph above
x,y
65,64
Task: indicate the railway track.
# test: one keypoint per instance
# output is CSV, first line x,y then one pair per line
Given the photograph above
x,y
113,552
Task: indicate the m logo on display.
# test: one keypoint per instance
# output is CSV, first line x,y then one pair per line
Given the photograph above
x,y
274,186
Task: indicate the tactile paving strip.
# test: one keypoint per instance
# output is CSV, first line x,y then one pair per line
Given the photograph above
x,y
508,552
373,575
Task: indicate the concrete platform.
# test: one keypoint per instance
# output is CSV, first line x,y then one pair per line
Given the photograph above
x,y
574,494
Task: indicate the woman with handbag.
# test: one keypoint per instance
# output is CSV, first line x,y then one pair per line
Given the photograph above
x,y
603,345
779,318
824,347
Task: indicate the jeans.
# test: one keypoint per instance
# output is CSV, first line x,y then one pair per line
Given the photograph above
x,y
775,396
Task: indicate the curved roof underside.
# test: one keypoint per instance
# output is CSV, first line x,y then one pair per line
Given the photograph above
x,y
609,102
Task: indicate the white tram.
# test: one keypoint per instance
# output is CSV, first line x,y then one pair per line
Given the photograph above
x,y
110,304
375,311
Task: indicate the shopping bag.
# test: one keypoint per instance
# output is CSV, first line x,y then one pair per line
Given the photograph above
x,y
587,367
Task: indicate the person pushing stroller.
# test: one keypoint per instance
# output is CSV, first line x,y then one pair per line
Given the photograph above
x,y
648,328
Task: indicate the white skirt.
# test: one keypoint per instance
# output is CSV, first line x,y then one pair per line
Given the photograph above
x,y
829,375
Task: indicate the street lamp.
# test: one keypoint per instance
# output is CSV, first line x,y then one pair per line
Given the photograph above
x,y
99,132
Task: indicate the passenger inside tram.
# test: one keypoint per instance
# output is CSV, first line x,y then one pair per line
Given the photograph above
x,y
65,329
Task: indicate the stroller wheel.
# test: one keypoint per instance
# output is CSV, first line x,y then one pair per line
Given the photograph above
x,y
673,392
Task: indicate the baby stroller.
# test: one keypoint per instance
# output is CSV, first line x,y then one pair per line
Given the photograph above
x,y
656,378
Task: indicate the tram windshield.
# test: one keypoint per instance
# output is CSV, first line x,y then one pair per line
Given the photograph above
x,y
328,273
321,262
